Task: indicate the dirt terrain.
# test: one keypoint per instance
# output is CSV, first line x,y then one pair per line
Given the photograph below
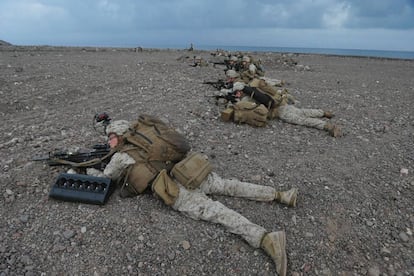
x,y
355,212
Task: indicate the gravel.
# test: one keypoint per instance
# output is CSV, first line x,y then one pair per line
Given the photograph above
x,y
355,213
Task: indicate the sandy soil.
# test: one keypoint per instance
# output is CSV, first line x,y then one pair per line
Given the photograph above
x,y
355,213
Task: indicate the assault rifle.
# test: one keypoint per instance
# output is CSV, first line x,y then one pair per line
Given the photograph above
x,y
225,63
219,84
228,96
96,158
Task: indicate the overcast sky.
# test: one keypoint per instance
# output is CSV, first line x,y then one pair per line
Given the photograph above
x,y
347,24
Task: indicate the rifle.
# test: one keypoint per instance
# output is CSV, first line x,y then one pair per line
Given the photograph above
x,y
96,158
229,97
225,63
217,84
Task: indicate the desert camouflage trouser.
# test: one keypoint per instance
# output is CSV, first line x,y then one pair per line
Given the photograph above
x,y
302,116
197,205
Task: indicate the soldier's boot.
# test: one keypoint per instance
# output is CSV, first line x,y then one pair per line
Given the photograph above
x,y
274,244
333,130
328,114
287,197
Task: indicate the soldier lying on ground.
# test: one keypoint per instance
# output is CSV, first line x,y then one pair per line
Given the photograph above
x,y
250,70
260,82
256,105
143,161
199,62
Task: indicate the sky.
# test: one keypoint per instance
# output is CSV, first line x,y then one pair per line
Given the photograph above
x,y
347,24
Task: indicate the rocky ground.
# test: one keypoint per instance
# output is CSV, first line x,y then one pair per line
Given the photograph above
x,y
355,213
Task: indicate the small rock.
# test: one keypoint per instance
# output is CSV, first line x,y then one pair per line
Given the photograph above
x,y
309,235
171,256
24,218
404,237
26,260
294,219
373,271
370,223
186,245
83,229
385,251
404,171
58,248
68,234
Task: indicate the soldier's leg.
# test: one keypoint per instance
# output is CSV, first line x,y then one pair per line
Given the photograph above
x,y
312,113
214,184
316,113
197,205
294,115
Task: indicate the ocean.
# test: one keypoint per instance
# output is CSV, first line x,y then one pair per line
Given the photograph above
x,y
323,51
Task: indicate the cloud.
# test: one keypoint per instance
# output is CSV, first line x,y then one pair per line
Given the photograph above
x,y
337,16
203,21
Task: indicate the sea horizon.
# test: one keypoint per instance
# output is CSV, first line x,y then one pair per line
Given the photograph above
x,y
394,54
322,51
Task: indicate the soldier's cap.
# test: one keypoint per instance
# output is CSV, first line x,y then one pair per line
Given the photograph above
x,y
246,59
238,86
118,127
234,58
232,74
197,57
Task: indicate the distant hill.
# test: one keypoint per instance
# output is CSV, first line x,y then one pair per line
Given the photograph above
x,y
5,43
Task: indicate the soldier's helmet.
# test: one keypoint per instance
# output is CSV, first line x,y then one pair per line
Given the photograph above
x,y
197,58
237,86
118,127
232,74
234,58
246,59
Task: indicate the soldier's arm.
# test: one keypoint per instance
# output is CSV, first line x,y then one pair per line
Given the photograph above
x,y
119,162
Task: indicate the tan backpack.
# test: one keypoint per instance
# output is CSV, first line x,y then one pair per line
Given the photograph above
x,y
250,113
157,140
154,146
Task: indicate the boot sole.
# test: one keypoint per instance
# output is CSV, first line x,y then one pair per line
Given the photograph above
x,y
281,238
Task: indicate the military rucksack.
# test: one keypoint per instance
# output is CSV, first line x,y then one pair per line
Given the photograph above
x,y
158,141
250,113
154,146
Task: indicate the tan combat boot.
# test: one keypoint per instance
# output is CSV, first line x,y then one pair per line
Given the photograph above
x,y
274,244
287,197
333,130
328,114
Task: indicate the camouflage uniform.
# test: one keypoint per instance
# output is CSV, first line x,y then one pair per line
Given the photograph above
x,y
302,116
294,115
199,62
197,205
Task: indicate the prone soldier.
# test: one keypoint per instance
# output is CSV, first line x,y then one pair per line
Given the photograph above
x,y
183,180
278,107
199,62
